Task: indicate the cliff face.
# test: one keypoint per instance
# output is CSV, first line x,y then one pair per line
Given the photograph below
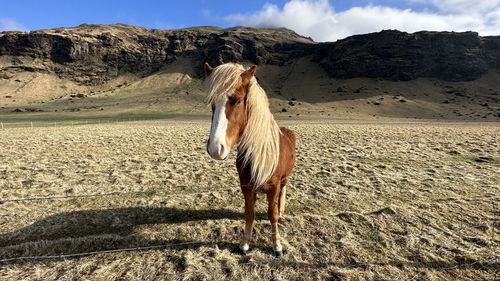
x,y
93,54
395,55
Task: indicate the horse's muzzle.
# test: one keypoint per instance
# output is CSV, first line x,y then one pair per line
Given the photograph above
x,y
217,151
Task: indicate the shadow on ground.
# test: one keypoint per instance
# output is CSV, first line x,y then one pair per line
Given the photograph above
x,y
98,230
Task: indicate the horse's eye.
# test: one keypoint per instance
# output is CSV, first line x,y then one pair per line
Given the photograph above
x,y
235,101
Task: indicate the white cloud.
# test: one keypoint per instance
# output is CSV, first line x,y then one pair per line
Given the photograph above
x,y
319,20
8,24
465,6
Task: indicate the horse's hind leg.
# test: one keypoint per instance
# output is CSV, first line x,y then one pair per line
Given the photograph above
x,y
282,200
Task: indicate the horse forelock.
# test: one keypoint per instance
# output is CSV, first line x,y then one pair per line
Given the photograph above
x,y
223,81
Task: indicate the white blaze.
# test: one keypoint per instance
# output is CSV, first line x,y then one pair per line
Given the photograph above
x,y
218,132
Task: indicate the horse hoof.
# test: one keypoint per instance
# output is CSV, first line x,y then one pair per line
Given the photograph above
x,y
278,254
244,247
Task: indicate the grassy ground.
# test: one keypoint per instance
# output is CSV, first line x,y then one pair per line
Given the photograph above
x,y
50,119
416,201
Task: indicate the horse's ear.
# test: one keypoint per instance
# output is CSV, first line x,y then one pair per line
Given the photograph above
x,y
248,74
208,68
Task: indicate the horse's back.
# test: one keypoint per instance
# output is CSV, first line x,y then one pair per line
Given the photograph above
x,y
290,135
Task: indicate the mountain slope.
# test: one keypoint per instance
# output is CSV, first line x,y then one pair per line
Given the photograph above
x,y
115,68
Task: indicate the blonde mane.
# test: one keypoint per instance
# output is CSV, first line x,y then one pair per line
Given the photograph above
x,y
260,142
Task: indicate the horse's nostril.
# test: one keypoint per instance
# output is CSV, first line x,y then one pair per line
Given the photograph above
x,y
221,149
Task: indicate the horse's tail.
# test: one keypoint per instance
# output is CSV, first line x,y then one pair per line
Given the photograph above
x,y
290,144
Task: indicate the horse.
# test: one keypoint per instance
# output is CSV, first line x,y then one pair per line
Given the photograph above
x,y
266,156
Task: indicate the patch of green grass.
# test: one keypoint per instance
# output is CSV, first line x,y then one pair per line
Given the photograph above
x,y
48,119
381,162
372,239
495,161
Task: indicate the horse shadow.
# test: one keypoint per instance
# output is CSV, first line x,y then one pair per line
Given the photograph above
x,y
104,229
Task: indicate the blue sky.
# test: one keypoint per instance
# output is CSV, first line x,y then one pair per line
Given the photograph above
x,y
36,14
321,19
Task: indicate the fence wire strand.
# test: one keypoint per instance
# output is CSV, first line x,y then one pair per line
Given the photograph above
x,y
83,254
67,196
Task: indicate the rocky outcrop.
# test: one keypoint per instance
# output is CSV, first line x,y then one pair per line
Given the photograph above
x,y
396,55
93,54
491,50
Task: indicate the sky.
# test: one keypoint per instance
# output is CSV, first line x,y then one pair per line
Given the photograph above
x,y
322,20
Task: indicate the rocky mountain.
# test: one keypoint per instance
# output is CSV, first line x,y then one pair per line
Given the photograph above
x,y
118,68
396,55
92,54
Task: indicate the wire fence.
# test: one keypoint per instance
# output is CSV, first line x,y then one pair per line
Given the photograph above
x,y
65,123
294,182
83,254
68,196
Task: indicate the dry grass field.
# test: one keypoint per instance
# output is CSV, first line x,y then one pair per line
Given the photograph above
x,y
390,201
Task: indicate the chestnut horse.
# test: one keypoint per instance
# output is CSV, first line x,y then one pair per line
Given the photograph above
x,y
266,153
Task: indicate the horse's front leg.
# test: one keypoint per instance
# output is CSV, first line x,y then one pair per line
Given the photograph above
x,y
250,197
273,215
